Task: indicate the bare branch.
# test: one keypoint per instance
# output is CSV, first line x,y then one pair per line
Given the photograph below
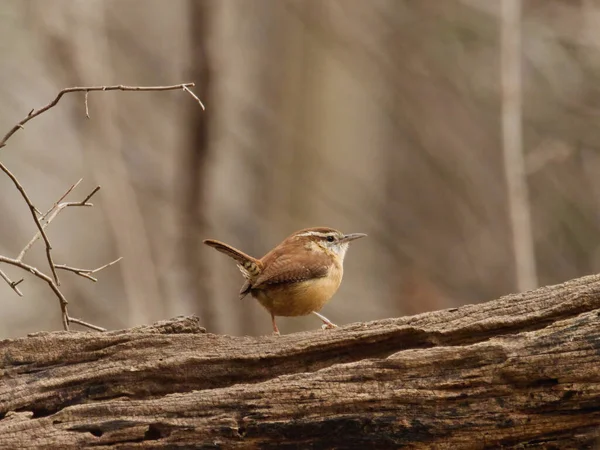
x,y
61,199
87,110
55,210
43,220
185,88
86,324
34,214
107,265
13,284
61,298
81,272
87,273
85,200
36,112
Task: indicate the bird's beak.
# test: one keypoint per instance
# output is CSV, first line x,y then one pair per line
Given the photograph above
x,y
351,237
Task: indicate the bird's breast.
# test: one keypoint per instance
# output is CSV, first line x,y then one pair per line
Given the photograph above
x,y
301,298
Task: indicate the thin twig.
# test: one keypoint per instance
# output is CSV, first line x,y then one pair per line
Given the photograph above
x,y
34,214
13,284
34,113
85,200
61,199
86,324
81,272
57,209
107,265
87,110
87,273
185,88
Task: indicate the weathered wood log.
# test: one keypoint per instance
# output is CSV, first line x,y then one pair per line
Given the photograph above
x,y
521,371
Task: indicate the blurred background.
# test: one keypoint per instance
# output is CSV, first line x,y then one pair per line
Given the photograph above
x,y
461,135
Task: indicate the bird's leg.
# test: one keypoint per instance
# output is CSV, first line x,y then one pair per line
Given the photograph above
x,y
327,323
275,329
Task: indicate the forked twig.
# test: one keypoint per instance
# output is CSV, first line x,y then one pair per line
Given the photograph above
x,y
54,211
13,284
73,186
87,273
61,298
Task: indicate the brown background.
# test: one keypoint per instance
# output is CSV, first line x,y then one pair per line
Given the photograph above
x,y
381,117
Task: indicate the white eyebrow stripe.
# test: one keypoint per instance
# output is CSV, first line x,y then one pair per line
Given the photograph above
x,y
317,233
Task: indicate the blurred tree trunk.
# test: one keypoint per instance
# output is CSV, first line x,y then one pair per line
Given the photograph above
x,y
512,147
519,371
190,268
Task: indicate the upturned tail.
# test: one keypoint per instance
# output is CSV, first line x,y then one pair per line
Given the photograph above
x,y
249,266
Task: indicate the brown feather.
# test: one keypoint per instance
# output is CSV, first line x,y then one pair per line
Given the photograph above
x,y
291,262
249,266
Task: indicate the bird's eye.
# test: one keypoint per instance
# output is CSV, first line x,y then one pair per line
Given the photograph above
x,y
330,239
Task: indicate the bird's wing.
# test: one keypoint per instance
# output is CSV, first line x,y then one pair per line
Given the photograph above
x,y
291,267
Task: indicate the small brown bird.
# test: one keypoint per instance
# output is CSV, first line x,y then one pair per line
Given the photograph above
x,y
299,276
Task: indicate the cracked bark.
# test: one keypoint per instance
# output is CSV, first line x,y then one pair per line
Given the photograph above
x,y
523,370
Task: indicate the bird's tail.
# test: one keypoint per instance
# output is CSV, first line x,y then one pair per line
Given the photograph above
x,y
249,266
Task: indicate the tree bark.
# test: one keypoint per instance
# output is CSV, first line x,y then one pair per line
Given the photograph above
x,y
521,371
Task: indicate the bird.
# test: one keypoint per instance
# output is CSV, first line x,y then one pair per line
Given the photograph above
x,y
298,276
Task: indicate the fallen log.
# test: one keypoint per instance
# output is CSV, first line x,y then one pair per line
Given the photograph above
x,y
520,371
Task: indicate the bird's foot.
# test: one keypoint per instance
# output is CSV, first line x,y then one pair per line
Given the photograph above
x,y
327,324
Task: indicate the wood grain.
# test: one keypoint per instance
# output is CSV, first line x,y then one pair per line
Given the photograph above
x,y
520,371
